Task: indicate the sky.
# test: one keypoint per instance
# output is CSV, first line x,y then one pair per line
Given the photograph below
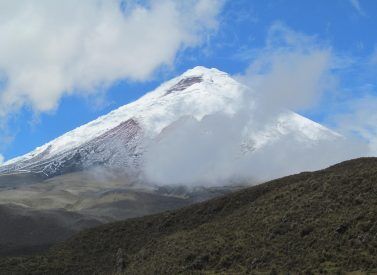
x,y
64,63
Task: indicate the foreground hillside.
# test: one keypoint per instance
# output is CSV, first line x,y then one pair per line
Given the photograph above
x,y
36,215
320,221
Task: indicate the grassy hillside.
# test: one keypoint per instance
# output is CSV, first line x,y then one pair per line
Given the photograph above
x,y
324,221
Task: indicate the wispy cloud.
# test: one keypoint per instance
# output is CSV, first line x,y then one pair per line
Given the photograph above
x,y
359,121
373,58
356,5
292,71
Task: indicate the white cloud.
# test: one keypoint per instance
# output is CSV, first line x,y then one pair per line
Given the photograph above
x,y
373,58
1,159
292,71
208,151
356,5
52,48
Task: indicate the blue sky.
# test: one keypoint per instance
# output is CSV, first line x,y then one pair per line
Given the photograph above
x,y
228,35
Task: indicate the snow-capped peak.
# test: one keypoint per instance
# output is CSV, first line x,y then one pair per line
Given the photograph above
x,y
155,109
199,92
202,71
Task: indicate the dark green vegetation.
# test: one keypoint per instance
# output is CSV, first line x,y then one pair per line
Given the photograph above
x,y
324,221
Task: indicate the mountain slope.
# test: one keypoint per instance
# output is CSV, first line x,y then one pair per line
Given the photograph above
x,y
105,198
120,139
36,216
324,221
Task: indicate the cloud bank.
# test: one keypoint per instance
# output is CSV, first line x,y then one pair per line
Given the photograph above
x,y
52,48
217,150
292,71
